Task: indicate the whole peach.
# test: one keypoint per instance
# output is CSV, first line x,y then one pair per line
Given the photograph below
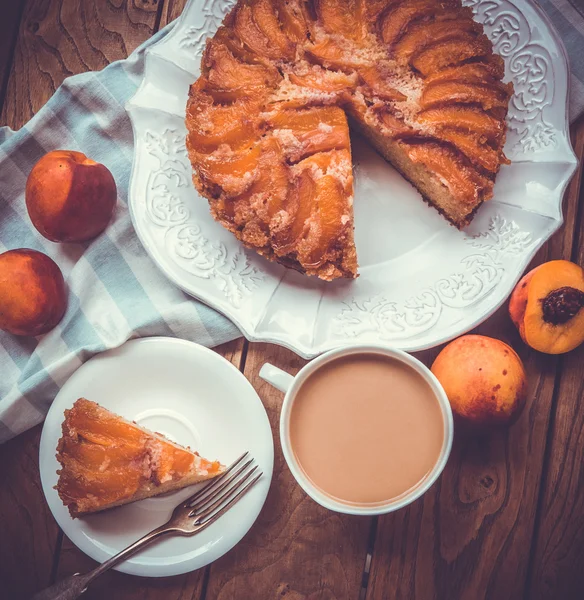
x,y
69,197
32,292
483,378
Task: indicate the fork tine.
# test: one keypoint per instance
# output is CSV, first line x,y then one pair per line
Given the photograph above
x,y
214,482
221,490
209,508
213,517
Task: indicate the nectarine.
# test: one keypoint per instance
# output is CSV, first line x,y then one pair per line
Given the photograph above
x,y
32,292
483,378
69,197
547,307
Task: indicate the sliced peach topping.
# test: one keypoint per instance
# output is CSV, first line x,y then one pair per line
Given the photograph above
x,y
79,484
91,424
232,78
327,225
420,35
312,130
394,127
340,17
315,208
227,37
171,462
465,119
271,185
330,54
234,172
324,80
211,124
251,35
448,92
451,52
374,8
376,80
264,15
396,20
464,183
293,19
299,207
470,145
476,72
99,455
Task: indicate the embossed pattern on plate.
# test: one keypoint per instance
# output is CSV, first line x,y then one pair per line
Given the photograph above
x,y
422,282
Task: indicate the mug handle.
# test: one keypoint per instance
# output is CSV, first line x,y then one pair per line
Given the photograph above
x,y
276,377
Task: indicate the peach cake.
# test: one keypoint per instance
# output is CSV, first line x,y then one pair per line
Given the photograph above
x,y
282,80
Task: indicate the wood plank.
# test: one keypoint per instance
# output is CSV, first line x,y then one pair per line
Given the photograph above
x,y
171,10
296,548
468,537
128,587
29,532
65,37
9,26
558,553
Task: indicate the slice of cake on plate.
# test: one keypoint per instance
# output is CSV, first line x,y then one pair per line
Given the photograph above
x,y
108,461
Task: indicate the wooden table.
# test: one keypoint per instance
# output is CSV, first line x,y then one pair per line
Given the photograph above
x,y
506,519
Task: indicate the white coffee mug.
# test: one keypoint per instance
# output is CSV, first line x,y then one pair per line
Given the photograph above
x,y
290,385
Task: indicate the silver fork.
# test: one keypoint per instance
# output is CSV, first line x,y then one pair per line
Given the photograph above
x,y
190,517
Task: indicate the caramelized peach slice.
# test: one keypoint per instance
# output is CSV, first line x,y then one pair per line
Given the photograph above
x,y
396,20
376,81
340,17
233,172
93,426
421,35
264,15
172,463
327,225
300,203
478,153
226,37
251,35
331,54
465,119
109,486
474,72
211,125
394,127
270,188
374,8
449,92
98,456
306,132
324,80
463,182
451,52
293,19
230,79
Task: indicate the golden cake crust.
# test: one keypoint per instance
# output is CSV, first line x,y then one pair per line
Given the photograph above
x,y
268,135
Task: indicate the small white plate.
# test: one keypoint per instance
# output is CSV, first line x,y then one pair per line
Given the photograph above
x,y
195,397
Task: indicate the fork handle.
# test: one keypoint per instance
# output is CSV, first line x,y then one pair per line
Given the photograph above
x,y
73,586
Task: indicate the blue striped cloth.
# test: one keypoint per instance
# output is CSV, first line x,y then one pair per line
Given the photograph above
x,y
115,291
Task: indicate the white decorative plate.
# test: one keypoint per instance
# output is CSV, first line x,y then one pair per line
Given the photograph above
x,y
422,282
196,398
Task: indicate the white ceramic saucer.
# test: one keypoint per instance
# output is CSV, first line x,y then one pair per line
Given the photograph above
x,y
195,397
